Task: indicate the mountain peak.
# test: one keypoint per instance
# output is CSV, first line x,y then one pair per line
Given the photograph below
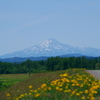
x,y
52,47
52,39
49,42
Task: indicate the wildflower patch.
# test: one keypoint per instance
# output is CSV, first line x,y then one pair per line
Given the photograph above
x,y
74,84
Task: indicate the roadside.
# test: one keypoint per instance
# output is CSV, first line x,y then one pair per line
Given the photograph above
x,y
96,73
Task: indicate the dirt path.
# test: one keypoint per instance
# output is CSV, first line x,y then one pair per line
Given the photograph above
x,y
96,73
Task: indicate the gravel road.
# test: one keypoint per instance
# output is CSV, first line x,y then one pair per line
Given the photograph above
x,y
96,73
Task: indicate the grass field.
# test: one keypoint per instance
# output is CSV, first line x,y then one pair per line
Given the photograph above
x,y
7,80
21,87
71,84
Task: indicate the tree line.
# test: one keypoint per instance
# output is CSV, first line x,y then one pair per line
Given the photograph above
x,y
51,64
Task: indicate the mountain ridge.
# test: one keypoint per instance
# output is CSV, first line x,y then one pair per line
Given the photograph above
x,y
52,47
20,59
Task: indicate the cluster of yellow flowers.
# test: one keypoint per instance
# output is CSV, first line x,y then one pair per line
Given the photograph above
x,y
78,85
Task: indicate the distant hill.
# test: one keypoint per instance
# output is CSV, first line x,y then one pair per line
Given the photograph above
x,y
20,59
52,47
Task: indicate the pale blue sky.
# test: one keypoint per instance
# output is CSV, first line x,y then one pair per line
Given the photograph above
x,y
24,23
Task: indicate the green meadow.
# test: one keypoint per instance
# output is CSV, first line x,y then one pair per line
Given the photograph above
x,y
16,84
70,84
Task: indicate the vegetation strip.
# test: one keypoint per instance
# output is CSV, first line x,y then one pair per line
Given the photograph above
x,y
51,64
74,84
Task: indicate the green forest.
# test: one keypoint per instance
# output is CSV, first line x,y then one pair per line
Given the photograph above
x,y
51,64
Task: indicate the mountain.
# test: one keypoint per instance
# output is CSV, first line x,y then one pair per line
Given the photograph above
x,y
20,59
52,47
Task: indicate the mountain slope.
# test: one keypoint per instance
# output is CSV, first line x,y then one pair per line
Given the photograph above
x,y
52,47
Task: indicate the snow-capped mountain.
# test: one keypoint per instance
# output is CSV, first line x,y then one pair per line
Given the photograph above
x,y
52,47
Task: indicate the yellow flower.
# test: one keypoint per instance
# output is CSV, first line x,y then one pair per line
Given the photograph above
x,y
65,80
92,98
95,87
77,94
49,88
73,80
37,95
94,91
86,91
38,89
25,93
66,74
43,85
66,87
77,84
8,94
35,90
80,92
30,86
73,84
90,94
31,90
60,89
88,84
22,95
53,82
67,91
73,92
57,88
83,98
81,85
30,93
44,89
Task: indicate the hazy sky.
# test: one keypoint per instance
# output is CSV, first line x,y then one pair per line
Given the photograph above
x,y
24,23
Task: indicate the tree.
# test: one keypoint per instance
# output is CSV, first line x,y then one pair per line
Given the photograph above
x,y
28,65
97,65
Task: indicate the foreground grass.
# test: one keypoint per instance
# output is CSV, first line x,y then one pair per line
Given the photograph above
x,y
73,84
22,87
7,80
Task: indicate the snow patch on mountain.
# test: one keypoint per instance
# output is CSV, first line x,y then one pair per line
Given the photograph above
x,y
52,47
